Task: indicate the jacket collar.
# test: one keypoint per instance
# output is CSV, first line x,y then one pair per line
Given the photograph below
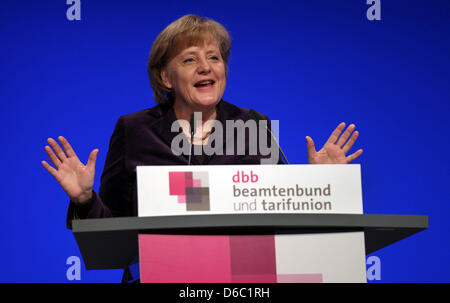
x,y
165,116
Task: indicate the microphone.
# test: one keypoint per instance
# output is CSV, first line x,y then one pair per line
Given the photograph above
x,y
257,117
192,132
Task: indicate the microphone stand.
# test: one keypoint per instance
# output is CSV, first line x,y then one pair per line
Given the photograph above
x,y
258,118
192,132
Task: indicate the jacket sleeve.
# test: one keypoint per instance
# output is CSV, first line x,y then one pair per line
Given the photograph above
x,y
115,194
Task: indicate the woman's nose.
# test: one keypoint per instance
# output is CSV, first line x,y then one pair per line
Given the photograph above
x,y
203,66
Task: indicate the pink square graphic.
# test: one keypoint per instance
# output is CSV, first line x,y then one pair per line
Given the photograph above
x,y
196,183
184,259
177,183
253,256
181,199
261,278
300,278
188,179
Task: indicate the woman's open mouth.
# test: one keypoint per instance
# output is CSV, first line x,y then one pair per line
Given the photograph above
x,y
204,84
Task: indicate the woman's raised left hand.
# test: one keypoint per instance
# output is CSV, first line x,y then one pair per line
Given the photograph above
x,y
336,148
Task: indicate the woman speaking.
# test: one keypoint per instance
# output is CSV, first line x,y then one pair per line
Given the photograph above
x,y
187,67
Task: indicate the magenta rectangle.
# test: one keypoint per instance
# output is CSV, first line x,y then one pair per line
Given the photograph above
x,y
213,259
177,181
188,180
184,259
197,183
256,278
181,199
253,255
300,278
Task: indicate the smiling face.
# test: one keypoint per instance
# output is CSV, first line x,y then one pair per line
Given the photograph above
x,y
197,77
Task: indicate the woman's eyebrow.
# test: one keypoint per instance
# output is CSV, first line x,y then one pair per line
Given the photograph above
x,y
196,52
189,53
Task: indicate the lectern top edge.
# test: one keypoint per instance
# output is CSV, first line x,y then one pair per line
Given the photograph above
x,y
296,221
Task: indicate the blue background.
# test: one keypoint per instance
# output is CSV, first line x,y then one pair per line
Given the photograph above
x,y
310,64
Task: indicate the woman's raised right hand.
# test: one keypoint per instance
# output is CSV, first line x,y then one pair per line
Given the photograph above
x,y
74,177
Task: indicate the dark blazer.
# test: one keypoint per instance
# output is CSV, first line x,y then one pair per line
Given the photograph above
x,y
144,138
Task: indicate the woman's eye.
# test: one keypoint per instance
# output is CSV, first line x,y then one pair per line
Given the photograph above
x,y
188,60
214,58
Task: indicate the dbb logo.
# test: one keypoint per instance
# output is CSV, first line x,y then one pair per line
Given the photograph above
x,y
242,177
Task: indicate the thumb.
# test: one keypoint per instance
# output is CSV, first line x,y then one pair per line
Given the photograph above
x,y
92,159
310,146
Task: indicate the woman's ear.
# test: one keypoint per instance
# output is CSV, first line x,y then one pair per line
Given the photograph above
x,y
165,79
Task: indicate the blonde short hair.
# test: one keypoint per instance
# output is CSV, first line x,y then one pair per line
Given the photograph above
x,y
189,30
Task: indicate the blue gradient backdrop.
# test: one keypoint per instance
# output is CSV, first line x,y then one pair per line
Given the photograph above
x,y
310,64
